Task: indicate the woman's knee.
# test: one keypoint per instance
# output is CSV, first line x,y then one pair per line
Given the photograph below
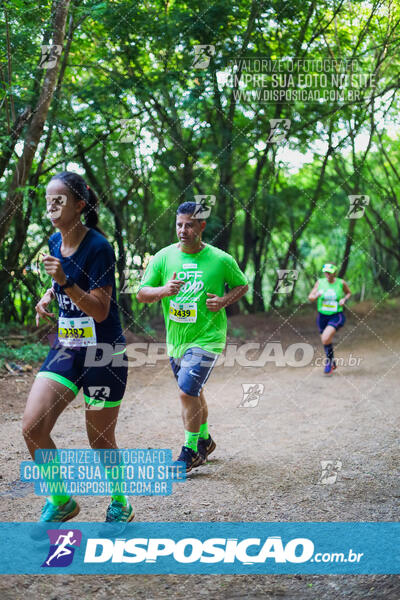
x,y
101,441
46,401
33,427
327,337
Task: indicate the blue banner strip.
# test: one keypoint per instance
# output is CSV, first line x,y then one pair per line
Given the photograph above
x,y
200,547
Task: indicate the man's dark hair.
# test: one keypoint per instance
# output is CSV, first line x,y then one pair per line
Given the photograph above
x,y
186,208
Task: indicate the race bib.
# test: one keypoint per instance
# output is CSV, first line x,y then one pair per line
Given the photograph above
x,y
329,305
77,332
183,313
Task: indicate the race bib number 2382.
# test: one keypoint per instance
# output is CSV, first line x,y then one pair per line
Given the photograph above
x,y
77,332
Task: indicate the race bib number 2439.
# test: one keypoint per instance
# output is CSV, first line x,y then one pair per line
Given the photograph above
x,y
183,313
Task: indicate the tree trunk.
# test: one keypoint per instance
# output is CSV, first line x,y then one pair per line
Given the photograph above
x,y
13,202
347,250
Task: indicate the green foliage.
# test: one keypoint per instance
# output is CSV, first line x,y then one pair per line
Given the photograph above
x,y
28,353
134,60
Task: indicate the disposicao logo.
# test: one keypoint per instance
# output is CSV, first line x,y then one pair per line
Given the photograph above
x,y
190,550
62,547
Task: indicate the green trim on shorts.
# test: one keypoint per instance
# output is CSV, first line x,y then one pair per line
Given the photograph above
x,y
105,403
56,377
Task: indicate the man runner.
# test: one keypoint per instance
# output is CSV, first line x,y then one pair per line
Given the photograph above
x,y
189,278
331,293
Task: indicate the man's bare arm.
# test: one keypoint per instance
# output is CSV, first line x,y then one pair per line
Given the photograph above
x,y
215,303
150,294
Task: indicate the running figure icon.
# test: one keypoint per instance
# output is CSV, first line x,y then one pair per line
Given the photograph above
x,y
62,549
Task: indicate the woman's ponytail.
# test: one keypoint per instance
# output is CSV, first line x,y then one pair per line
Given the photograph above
x,y
90,216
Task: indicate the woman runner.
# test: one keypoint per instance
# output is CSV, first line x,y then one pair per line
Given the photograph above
x,y
331,293
81,263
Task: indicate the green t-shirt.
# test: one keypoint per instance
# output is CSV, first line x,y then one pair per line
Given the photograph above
x,y
328,303
188,321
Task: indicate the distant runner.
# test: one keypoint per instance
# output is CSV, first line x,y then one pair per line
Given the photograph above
x,y
189,278
331,293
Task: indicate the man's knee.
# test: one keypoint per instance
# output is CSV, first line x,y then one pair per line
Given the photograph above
x,y
187,398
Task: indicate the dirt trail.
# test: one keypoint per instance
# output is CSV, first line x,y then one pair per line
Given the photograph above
x,y
266,466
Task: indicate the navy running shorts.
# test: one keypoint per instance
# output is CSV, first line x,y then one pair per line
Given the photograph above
x,y
193,369
337,320
103,384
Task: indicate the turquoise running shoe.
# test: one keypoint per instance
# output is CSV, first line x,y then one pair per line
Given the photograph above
x,y
117,518
51,513
119,513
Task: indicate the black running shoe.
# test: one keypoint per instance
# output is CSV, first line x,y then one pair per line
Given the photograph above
x,y
205,447
190,458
